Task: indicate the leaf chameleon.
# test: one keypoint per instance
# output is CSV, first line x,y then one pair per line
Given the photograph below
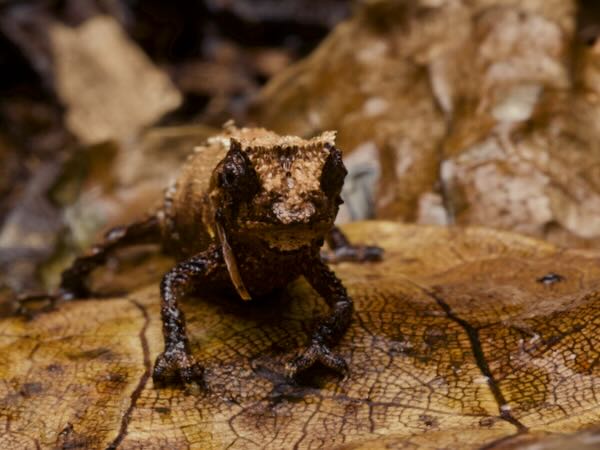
x,y
248,213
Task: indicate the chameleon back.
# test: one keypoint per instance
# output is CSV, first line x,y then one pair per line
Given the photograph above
x,y
185,217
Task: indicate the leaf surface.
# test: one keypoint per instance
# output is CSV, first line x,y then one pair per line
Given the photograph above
x,y
462,338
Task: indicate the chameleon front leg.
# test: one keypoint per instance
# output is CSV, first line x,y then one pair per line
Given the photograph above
x,y
331,329
342,250
176,365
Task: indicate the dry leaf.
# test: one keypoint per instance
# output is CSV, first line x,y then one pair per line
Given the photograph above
x,y
523,151
367,82
110,87
68,204
462,338
480,112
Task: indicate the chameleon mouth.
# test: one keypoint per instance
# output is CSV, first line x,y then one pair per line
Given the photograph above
x,y
288,238
315,226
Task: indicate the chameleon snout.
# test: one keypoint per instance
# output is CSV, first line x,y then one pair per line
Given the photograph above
x,y
287,214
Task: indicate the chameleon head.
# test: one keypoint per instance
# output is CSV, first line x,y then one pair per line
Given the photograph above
x,y
282,190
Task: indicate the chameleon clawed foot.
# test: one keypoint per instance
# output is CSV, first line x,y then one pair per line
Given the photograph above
x,y
353,253
176,367
316,352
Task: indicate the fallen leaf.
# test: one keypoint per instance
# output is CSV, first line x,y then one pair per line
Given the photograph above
x,y
476,113
462,338
366,81
110,87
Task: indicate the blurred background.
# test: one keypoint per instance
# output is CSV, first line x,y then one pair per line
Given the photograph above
x,y
88,88
449,112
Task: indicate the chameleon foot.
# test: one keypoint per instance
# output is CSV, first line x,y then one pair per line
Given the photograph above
x,y
353,253
316,353
176,367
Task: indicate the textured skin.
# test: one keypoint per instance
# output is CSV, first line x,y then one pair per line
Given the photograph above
x,y
270,200
421,376
188,216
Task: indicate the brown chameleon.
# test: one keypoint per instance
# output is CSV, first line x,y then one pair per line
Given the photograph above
x,y
254,224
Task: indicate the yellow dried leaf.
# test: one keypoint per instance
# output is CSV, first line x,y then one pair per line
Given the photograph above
x,y
110,87
461,338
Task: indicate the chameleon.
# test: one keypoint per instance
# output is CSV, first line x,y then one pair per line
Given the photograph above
x,y
247,214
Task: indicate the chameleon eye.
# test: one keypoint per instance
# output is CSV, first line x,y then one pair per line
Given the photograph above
x,y
228,177
237,175
334,172
234,167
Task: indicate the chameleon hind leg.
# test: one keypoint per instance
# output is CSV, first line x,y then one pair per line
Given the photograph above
x,y
74,279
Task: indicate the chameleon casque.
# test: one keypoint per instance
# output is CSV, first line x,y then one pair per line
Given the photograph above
x,y
248,214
